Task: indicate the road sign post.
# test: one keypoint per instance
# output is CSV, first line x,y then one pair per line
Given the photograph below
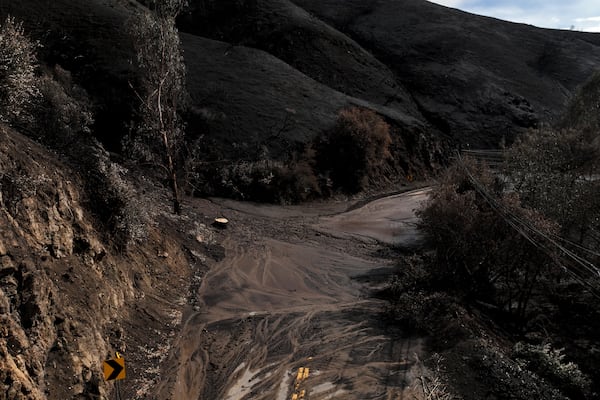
x,y
114,370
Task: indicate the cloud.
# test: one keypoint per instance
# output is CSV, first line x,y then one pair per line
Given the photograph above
x,y
451,3
588,19
583,15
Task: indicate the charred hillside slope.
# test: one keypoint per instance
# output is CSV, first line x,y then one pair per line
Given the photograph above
x,y
476,78
429,69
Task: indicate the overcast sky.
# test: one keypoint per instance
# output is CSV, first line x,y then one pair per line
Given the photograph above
x,y
582,15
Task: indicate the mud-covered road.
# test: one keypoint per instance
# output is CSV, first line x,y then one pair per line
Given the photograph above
x,y
293,291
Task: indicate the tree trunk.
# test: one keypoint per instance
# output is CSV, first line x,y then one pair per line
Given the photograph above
x,y
174,187
172,174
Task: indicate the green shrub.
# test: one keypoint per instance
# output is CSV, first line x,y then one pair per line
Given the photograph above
x,y
115,202
470,222
263,180
17,71
550,364
582,110
161,90
554,171
64,111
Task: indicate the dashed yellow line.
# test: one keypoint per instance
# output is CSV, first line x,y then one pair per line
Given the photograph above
x,y
301,376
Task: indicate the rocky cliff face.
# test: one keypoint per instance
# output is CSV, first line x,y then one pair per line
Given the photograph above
x,y
68,298
47,245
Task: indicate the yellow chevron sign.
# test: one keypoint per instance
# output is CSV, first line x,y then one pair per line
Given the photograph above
x,y
114,369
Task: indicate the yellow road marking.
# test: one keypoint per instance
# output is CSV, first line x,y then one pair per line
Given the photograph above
x,y
302,375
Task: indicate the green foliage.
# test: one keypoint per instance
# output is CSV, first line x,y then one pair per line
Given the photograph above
x,y
64,112
16,186
582,111
64,121
478,253
252,179
550,364
166,7
161,88
115,202
17,71
555,171
348,158
431,381
262,180
355,149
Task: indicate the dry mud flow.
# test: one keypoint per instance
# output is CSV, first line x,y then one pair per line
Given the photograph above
x,y
286,296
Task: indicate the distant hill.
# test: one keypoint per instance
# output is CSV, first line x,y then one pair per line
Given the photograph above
x,y
456,77
476,78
